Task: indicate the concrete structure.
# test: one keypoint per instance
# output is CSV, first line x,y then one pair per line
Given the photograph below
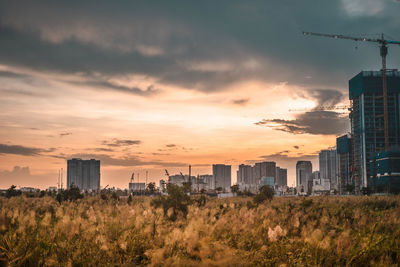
x,y
321,186
385,170
137,187
269,181
245,175
163,185
85,174
222,176
327,166
367,125
207,182
344,163
281,177
246,178
264,169
304,177
176,179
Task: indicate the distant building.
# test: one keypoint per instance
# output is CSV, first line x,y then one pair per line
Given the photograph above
x,y
269,181
327,166
163,185
321,186
137,187
245,174
222,176
176,179
281,177
264,169
344,164
29,189
316,175
367,121
85,174
206,182
304,177
52,188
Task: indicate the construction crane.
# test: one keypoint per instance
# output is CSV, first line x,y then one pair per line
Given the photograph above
x,y
383,43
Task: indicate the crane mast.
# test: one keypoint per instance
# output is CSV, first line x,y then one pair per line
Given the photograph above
x,y
383,52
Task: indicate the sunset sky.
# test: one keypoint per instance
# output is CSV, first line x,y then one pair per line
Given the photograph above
x,y
154,85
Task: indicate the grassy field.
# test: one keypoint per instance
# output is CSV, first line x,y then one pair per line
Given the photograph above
x,y
317,231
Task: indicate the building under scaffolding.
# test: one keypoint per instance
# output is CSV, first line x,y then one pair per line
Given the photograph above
x,y
367,121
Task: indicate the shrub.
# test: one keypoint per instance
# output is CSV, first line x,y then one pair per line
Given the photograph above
x,y
266,194
71,194
175,203
11,192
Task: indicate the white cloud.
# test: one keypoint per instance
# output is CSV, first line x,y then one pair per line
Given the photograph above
x,y
363,7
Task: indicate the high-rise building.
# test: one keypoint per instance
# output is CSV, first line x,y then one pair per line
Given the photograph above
x,y
327,166
245,175
385,168
222,176
85,174
367,121
264,169
281,177
304,177
208,181
344,163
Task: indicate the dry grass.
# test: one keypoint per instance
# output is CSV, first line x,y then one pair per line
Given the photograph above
x,y
320,231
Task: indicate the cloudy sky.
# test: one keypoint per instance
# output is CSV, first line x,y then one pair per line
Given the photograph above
x,y
154,85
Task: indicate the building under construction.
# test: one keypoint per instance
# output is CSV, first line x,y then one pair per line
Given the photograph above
x,y
367,123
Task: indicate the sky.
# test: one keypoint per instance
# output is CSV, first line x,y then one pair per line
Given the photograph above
x,y
155,85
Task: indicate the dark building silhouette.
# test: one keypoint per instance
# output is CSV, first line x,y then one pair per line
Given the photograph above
x,y
367,121
222,176
344,163
84,174
304,177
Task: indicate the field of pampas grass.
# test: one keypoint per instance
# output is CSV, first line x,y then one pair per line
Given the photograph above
x,y
313,231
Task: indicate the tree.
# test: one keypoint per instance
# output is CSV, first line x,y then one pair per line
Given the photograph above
x,y
151,187
174,204
72,194
235,188
11,192
266,193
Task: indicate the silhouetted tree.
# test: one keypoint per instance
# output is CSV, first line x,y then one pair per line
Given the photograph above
x,y
12,192
71,194
151,187
266,193
175,203
235,188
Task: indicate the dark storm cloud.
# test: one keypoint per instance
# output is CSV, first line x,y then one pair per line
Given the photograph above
x,y
121,142
171,40
314,122
23,150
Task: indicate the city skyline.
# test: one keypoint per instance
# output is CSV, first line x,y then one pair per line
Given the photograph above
x,y
154,87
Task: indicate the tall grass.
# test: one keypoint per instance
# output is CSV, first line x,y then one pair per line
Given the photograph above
x,y
318,231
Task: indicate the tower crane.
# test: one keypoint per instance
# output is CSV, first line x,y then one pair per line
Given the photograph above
x,y
383,44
